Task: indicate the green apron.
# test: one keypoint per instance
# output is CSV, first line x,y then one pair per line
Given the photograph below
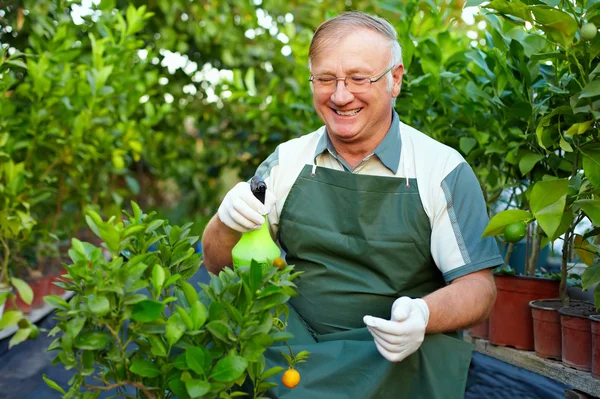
x,y
361,242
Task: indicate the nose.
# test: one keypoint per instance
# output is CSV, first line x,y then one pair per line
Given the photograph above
x,y
341,95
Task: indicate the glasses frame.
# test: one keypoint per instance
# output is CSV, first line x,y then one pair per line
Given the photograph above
x,y
371,80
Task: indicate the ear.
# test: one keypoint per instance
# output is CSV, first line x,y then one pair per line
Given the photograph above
x,y
397,76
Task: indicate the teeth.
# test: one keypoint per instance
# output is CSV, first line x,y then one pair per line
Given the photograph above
x,y
348,113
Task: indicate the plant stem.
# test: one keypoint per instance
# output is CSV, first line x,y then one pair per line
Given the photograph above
x,y
564,299
135,384
535,251
509,251
4,271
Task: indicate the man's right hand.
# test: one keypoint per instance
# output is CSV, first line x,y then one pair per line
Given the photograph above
x,y
242,211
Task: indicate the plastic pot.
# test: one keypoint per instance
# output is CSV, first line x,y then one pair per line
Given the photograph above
x,y
511,323
595,320
577,335
480,330
546,328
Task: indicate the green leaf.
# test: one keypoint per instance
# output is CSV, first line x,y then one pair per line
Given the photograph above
x,y
282,336
53,384
24,290
185,317
229,369
92,340
528,161
514,8
56,301
269,302
154,225
147,311
271,372
10,318
99,305
191,295
198,359
597,297
467,144
220,330
198,314
591,165
556,20
75,325
590,276
20,336
158,347
158,277
144,368
175,329
591,209
255,275
592,89
547,202
197,388
249,81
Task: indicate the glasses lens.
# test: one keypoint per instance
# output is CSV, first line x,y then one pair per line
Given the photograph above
x,y
357,84
327,85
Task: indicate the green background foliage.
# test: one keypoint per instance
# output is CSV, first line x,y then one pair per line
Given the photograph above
x,y
171,102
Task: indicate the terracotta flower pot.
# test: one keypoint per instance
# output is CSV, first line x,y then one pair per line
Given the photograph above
x,y
480,330
511,323
577,335
546,328
595,320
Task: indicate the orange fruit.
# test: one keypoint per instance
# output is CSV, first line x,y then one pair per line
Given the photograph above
x,y
291,378
279,263
515,232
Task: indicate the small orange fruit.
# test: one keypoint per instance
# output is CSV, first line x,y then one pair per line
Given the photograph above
x,y
279,263
291,378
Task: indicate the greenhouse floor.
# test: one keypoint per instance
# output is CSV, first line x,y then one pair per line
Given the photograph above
x,y
22,367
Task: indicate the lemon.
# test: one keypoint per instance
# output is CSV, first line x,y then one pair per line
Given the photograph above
x,y
588,31
515,232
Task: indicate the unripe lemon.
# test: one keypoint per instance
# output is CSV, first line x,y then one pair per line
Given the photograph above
x,y
291,378
515,232
588,31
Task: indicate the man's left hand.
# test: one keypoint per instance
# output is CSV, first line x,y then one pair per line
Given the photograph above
x,y
404,333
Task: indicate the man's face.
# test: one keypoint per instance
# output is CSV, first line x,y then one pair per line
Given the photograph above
x,y
356,118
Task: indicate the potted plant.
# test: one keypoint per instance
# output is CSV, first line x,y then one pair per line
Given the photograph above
x,y
15,225
136,324
557,158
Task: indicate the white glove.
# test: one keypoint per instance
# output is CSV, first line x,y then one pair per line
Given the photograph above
x,y
401,336
242,211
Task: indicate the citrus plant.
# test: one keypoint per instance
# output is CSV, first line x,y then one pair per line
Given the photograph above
x,y
550,47
136,323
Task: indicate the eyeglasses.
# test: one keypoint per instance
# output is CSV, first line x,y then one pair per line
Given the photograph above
x,y
326,84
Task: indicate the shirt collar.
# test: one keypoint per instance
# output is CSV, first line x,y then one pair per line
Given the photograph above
x,y
388,151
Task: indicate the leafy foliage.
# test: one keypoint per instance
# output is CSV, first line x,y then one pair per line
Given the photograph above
x,y
136,322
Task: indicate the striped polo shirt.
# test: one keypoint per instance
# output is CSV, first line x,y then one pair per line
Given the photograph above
x,y
448,189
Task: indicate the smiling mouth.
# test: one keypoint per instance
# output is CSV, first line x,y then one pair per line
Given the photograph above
x,y
348,113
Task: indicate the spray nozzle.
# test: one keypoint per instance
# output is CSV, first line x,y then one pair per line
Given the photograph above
x,y
259,188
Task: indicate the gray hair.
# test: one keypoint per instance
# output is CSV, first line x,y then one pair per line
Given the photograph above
x,y
337,27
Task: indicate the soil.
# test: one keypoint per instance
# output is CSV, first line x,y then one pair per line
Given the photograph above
x,y
579,309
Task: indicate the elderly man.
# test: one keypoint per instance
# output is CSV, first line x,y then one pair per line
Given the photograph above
x,y
385,223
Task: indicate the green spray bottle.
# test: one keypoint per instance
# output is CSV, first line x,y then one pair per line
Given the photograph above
x,y
257,244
